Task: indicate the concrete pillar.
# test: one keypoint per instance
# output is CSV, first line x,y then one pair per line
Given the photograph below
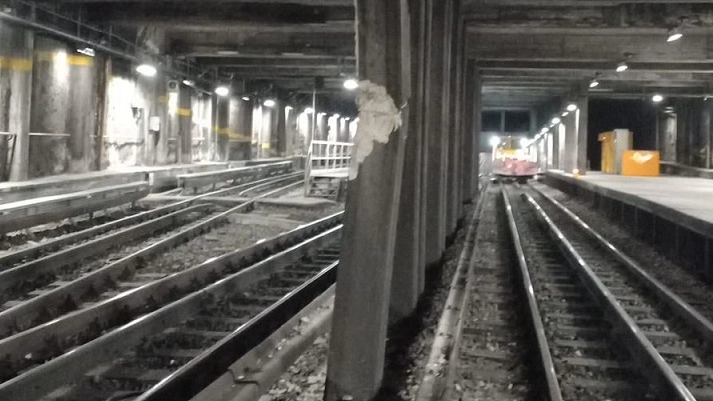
x,y
448,172
16,48
239,126
477,133
419,30
570,125
561,146
582,130
408,265
455,206
83,112
358,339
279,138
222,138
436,200
470,157
185,125
291,135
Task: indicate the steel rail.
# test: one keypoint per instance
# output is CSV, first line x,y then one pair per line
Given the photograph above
x,y
35,383
547,366
203,370
58,260
271,183
685,311
645,355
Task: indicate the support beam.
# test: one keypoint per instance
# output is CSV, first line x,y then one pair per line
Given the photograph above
x,y
582,128
185,124
469,111
357,348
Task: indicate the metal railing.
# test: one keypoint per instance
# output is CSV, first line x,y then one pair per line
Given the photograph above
x,y
327,155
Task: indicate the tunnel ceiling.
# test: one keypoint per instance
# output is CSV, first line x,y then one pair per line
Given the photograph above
x,y
530,52
289,46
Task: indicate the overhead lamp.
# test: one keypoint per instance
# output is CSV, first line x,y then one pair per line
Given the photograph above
x,y
556,120
668,110
524,142
594,83
87,51
222,91
657,98
351,84
189,82
146,70
288,108
565,114
494,141
674,35
269,103
571,107
309,110
543,131
246,98
622,67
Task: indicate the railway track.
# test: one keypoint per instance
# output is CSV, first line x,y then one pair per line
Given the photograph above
x,y
170,301
630,334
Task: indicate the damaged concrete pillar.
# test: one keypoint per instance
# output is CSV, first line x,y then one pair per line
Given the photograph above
x,y
16,49
357,345
455,206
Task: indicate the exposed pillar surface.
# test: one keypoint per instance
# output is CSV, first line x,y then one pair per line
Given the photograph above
x,y
419,29
448,172
357,345
477,133
279,138
291,132
436,200
455,206
16,49
570,141
222,138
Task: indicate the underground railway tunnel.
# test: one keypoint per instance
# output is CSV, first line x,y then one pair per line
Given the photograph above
x,y
356,200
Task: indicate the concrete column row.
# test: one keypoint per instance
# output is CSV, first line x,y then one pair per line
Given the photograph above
x,y
408,195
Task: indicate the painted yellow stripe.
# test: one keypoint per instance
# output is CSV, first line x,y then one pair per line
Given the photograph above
x,y
266,146
15,64
184,112
162,99
63,57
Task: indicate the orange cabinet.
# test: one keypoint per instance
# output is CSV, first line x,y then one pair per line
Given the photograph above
x,y
642,163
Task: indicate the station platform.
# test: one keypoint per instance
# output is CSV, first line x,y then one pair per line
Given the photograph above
x,y
158,177
673,213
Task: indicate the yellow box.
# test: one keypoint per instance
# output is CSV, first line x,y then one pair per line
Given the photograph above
x,y
642,163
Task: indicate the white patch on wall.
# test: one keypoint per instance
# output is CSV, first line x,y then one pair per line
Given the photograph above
x,y
378,118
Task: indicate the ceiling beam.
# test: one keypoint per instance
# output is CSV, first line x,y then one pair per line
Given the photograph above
x,y
323,3
701,67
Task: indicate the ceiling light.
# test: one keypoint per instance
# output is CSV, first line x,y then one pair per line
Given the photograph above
x,y
556,120
351,84
87,51
269,103
146,70
571,107
674,35
222,91
622,67
246,98
336,116
494,141
309,110
228,52
565,114
594,83
189,82
657,98
524,142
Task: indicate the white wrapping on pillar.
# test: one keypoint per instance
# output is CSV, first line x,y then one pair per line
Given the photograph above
x,y
378,118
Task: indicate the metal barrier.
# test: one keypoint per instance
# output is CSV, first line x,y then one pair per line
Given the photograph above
x,y
234,175
24,214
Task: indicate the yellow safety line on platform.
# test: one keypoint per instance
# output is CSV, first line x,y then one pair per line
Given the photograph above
x,y
15,64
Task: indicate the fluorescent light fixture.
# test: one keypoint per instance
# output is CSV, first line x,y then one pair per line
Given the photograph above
x,y
674,35
147,70
246,98
622,67
228,52
222,91
189,82
336,116
351,84
269,103
309,110
556,120
494,141
543,131
288,108
594,83
571,107
565,114
657,98
87,51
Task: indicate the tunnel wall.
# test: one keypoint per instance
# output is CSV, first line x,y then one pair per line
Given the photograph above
x,y
94,113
